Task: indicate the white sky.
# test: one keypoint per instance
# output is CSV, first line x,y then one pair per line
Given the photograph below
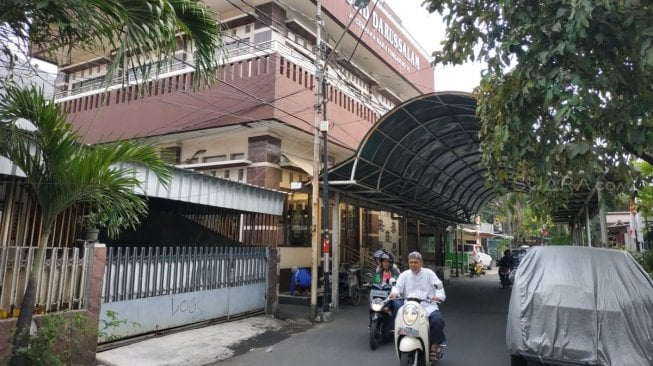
x,y
428,30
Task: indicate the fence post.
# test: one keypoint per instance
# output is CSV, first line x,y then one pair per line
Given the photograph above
x,y
272,282
95,257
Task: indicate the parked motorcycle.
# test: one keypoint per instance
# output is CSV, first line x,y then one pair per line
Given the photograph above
x,y
412,335
349,286
381,326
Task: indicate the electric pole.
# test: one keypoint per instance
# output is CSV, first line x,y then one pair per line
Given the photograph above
x,y
315,198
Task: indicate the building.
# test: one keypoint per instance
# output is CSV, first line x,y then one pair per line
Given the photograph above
x,y
256,125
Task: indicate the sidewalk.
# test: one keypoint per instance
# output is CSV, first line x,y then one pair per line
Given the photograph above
x,y
204,345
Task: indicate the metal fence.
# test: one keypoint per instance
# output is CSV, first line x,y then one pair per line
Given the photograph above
x,y
60,284
142,272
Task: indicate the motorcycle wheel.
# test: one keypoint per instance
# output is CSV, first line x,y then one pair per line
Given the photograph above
x,y
374,329
409,358
355,295
517,361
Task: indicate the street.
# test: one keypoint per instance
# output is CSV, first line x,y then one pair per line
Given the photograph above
x,y
475,314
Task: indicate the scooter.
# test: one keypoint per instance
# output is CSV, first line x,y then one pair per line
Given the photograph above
x,y
476,269
381,326
412,334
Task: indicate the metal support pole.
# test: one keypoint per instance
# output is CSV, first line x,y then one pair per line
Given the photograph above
x,y
589,228
335,245
602,218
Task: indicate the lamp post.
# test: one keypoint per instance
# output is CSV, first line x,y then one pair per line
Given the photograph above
x,y
322,125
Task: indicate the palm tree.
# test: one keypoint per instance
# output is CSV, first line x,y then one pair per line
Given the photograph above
x,y
63,173
113,28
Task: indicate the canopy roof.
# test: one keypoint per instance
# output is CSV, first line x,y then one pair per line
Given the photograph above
x,y
423,158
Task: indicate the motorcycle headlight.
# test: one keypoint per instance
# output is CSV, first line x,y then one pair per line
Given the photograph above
x,y
410,314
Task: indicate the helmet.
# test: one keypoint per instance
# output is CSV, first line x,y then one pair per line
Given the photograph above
x,y
377,255
387,256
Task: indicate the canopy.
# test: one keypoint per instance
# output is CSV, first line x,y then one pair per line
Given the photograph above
x,y
422,157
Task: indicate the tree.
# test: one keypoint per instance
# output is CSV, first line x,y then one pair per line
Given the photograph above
x,y
566,96
63,173
117,28
645,193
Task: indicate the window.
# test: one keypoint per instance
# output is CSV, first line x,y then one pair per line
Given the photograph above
x,y
241,175
214,158
171,155
226,174
238,156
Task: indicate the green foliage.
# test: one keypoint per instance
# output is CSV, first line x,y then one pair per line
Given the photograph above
x,y
63,172
645,259
54,341
560,237
645,193
566,98
57,335
112,322
112,27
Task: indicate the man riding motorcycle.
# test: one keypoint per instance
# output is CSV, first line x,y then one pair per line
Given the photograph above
x,y
423,283
506,265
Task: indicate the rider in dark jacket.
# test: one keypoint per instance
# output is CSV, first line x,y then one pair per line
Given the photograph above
x,y
507,260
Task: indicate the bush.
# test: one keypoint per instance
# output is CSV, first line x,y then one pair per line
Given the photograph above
x,y
645,259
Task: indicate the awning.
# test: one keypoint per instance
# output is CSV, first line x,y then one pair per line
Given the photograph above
x,y
423,157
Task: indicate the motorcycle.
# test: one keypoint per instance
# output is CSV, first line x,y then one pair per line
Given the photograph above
x,y
412,335
381,326
504,277
476,269
348,285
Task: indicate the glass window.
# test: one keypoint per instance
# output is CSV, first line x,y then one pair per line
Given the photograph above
x,y
238,156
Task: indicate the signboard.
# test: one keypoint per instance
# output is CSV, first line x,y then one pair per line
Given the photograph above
x,y
381,35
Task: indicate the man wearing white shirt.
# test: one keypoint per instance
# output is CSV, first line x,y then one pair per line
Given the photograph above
x,y
423,283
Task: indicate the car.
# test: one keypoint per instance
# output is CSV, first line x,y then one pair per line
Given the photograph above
x,y
519,253
574,305
486,259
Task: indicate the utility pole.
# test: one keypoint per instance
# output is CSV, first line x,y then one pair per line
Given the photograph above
x,y
322,125
315,198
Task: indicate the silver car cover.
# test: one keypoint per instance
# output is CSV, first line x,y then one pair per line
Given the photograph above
x,y
581,304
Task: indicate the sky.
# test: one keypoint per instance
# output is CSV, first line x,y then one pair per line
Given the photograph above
x,y
428,31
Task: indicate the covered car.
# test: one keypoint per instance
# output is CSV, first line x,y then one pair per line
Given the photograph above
x,y
580,306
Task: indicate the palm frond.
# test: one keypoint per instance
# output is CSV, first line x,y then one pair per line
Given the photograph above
x,y
63,172
120,28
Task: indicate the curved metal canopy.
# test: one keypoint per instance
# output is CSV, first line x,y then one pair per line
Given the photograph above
x,y
422,157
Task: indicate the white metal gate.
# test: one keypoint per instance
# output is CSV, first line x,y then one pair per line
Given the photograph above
x,y
161,288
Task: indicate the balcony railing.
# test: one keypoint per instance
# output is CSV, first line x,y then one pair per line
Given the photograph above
x,y
233,52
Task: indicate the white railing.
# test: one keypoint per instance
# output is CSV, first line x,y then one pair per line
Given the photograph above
x,y
60,284
139,272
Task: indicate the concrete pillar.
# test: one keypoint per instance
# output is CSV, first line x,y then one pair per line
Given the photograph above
x,y
272,288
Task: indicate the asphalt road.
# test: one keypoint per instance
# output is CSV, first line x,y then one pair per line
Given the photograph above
x,y
475,314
